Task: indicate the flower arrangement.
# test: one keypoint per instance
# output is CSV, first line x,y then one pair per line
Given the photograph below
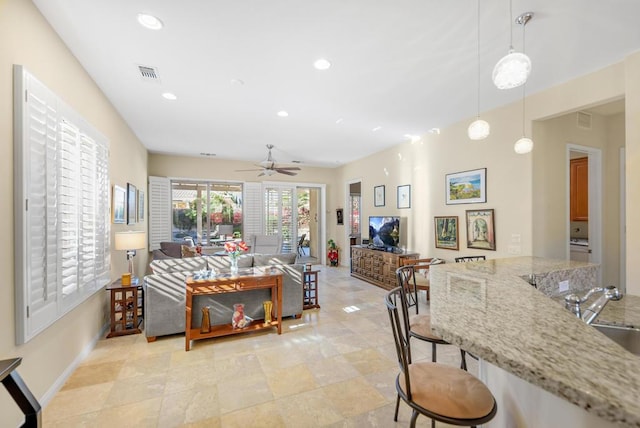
x,y
234,249
332,253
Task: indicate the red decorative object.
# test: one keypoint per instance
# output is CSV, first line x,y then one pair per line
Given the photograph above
x,y
333,257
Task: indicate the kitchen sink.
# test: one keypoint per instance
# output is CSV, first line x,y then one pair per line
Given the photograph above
x,y
627,337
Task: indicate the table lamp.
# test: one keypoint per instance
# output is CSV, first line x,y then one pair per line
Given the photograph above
x,y
130,242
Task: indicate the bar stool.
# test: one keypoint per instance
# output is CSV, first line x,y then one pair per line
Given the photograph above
x,y
438,391
418,325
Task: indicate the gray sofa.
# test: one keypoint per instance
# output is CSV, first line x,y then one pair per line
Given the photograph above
x,y
164,292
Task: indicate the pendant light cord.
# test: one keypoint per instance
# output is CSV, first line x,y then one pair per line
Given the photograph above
x,y
524,24
478,29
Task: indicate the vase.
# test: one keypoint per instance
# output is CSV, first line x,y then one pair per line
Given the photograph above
x,y
238,320
233,264
268,306
205,325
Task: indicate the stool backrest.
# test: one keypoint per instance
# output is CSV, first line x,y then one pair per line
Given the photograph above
x,y
396,305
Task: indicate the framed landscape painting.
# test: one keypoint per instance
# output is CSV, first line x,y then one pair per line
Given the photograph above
x,y
446,232
481,229
467,187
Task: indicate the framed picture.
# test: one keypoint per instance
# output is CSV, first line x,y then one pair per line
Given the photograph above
x,y
339,216
467,187
119,204
132,202
446,232
378,196
404,196
481,229
140,206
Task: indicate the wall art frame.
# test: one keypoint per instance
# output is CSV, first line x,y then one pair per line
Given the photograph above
x,y
140,210
132,202
481,229
378,196
404,196
466,187
446,232
119,205
340,216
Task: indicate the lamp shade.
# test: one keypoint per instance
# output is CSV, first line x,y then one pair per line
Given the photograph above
x,y
523,145
512,70
479,129
131,240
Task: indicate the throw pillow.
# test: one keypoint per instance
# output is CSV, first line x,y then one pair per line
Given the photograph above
x,y
188,251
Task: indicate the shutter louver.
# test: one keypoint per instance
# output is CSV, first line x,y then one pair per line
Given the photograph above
x,y
159,211
252,209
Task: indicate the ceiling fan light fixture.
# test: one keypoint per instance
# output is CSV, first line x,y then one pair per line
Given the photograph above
x,y
512,70
479,129
523,145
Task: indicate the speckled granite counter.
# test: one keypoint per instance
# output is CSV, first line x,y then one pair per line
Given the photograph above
x,y
488,309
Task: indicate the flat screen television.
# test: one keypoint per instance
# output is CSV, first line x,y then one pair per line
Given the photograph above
x,y
384,232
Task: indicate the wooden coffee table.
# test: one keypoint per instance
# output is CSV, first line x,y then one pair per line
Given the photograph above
x,y
223,282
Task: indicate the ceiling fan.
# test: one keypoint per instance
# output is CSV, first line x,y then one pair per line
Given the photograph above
x,y
269,167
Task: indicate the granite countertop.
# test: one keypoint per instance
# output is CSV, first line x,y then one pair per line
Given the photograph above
x,y
488,309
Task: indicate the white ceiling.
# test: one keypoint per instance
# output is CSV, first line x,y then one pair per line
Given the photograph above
x,y
406,66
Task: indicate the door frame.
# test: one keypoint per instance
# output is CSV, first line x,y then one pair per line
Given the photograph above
x,y
594,156
347,228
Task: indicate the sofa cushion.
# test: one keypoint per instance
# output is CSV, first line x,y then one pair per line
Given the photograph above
x,y
189,264
274,259
172,249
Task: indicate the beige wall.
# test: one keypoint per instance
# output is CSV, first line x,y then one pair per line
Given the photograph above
x,y
632,120
27,39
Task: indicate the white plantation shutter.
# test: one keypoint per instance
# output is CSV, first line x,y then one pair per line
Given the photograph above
x,y
252,210
159,211
61,207
280,214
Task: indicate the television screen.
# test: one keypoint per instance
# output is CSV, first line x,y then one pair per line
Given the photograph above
x,y
384,231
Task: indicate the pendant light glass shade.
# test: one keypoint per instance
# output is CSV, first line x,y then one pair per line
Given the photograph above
x,y
478,130
512,70
523,145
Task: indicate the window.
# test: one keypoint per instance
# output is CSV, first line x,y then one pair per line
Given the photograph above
x,y
207,212
61,210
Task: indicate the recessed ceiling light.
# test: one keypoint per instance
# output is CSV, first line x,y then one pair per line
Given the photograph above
x,y
239,82
169,96
283,113
149,21
339,120
377,128
322,64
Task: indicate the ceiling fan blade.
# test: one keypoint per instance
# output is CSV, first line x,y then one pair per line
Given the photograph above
x,y
282,171
288,168
242,170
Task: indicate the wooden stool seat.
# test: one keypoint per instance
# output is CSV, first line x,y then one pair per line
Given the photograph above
x,y
448,391
420,328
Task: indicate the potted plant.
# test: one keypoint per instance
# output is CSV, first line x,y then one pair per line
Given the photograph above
x,y
333,252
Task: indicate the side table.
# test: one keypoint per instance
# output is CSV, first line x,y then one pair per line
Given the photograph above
x,y
310,285
124,308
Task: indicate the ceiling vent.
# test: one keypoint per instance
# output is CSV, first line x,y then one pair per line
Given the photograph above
x,y
583,120
149,74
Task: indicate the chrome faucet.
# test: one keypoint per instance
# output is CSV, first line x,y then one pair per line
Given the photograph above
x,y
573,302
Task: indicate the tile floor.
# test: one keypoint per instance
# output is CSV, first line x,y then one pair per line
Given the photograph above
x,y
334,367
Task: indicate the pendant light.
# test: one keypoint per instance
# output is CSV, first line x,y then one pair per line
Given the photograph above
x,y
524,144
514,68
478,129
